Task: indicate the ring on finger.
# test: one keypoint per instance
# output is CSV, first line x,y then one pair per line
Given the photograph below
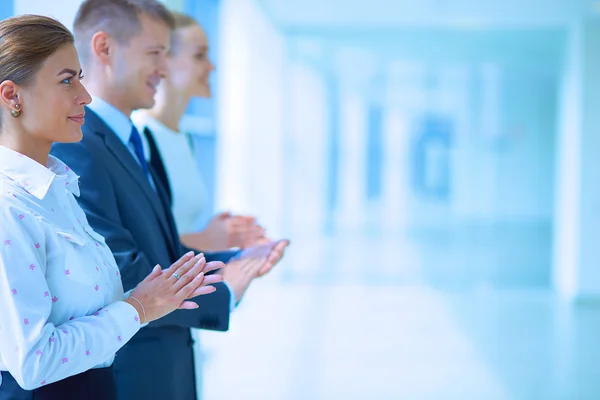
x,y
176,275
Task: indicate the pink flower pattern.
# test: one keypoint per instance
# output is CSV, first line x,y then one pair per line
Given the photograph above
x,y
67,296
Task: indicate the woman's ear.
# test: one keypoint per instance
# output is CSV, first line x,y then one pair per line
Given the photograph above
x,y
9,95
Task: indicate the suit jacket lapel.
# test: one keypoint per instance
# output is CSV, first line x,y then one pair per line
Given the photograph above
x,y
125,158
164,200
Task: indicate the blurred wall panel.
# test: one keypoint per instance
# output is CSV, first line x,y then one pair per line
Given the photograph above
x,y
250,146
577,220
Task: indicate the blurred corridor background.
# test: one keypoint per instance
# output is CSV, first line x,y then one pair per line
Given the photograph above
x,y
436,164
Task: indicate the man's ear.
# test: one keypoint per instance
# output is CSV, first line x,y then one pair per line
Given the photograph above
x,y
102,46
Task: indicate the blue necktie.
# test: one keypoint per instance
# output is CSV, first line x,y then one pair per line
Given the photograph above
x,y
136,141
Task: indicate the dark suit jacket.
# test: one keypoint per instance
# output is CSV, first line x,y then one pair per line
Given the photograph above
x,y
139,228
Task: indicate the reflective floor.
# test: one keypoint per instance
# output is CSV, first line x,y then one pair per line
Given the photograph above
x,y
404,329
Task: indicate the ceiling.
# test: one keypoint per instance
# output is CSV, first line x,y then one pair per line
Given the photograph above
x,y
304,15
525,36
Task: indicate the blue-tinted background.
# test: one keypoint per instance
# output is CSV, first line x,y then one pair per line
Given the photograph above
x,y
435,165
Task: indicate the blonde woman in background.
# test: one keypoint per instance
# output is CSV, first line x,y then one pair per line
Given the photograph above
x,y
171,151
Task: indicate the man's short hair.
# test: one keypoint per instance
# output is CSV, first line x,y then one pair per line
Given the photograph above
x,y
118,18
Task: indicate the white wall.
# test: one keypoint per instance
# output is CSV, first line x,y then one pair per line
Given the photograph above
x,y
307,149
352,168
577,216
250,153
64,11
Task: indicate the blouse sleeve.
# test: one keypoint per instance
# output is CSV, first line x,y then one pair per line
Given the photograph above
x,y
35,351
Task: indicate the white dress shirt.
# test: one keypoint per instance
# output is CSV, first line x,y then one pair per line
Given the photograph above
x,y
188,188
60,289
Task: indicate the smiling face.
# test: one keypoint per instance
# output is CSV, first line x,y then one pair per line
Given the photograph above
x,y
189,65
139,65
52,104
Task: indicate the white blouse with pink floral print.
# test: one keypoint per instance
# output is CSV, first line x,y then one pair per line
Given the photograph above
x,y
61,308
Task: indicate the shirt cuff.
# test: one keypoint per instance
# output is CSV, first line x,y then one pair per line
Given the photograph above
x,y
232,302
126,317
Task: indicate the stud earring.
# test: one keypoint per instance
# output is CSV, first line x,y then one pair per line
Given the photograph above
x,y
16,112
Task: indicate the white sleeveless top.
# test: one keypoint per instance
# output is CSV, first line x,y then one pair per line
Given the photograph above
x,y
188,188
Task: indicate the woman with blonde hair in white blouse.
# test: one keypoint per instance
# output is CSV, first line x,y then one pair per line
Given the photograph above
x,y
63,311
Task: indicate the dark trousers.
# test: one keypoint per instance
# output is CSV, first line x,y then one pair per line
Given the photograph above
x,y
157,363
95,384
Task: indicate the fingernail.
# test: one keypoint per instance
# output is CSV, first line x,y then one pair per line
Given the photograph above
x,y
189,253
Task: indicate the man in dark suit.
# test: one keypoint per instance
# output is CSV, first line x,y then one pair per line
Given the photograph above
x,y
122,46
